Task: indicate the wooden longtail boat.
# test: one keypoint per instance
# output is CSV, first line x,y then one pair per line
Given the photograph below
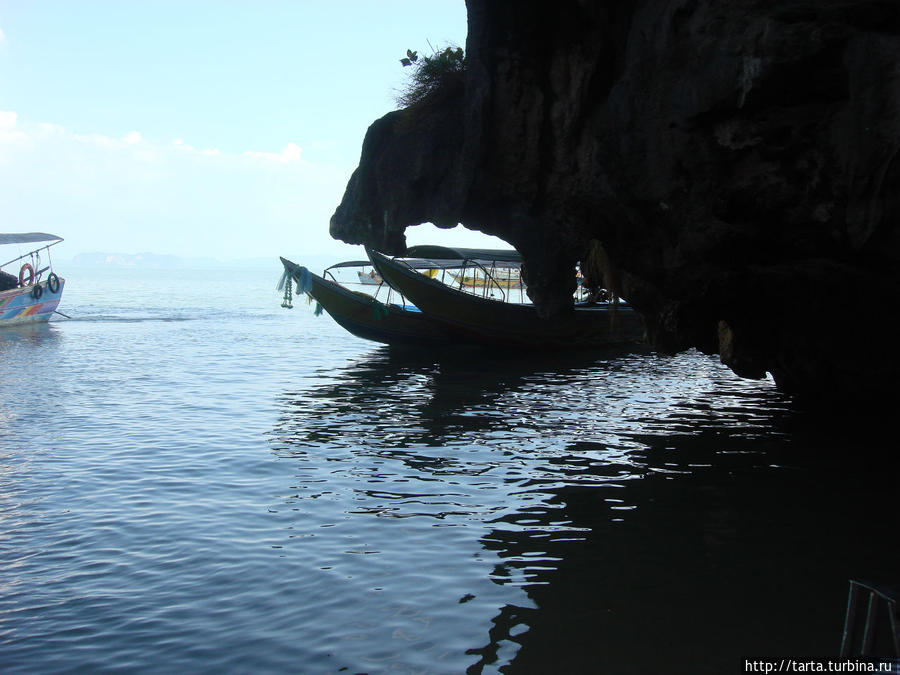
x,y
482,320
360,313
31,297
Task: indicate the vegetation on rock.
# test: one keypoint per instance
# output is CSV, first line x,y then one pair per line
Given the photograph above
x,y
431,73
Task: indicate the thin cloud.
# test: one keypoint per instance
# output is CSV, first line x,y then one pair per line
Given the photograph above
x,y
131,192
9,127
134,141
8,119
187,149
290,153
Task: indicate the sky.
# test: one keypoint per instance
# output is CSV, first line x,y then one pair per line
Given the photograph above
x,y
208,128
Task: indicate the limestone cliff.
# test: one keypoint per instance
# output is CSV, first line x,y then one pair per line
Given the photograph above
x,y
737,161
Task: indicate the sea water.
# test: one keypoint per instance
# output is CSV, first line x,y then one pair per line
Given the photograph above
x,y
193,479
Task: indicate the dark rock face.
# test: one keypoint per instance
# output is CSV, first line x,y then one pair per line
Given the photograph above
x,y
738,162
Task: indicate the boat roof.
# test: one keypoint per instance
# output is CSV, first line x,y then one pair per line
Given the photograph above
x,y
351,263
425,263
452,253
27,238
445,257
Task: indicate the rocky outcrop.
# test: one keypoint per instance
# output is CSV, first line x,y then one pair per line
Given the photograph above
x,y
737,162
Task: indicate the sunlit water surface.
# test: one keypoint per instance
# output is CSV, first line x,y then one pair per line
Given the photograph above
x,y
193,479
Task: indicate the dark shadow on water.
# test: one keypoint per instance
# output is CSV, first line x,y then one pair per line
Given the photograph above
x,y
726,548
682,520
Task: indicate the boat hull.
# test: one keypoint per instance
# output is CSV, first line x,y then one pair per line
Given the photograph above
x,y
19,306
485,321
364,316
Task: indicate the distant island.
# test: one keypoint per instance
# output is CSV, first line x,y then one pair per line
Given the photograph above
x,y
128,259
164,261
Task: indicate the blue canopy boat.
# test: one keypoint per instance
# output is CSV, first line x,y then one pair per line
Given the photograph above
x,y
31,296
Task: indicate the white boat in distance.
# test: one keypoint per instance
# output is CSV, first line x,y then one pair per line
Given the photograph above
x,y
31,296
370,278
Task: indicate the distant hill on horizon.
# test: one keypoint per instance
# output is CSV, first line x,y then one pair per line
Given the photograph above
x,y
127,259
163,261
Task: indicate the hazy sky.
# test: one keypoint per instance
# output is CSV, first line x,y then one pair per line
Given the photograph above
x,y
200,128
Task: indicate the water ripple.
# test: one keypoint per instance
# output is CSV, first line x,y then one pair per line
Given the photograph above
x,y
230,493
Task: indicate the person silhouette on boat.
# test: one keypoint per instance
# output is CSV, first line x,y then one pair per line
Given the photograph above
x,y
8,281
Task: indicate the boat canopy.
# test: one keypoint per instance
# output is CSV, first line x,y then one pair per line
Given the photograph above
x,y
444,257
27,238
448,253
351,263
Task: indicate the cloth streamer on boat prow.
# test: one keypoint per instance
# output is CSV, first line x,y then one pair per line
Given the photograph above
x,y
301,277
282,281
304,280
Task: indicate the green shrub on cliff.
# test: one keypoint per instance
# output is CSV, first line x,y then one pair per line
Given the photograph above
x,y
429,74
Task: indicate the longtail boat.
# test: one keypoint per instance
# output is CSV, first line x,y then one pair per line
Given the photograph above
x,y
34,294
485,320
359,313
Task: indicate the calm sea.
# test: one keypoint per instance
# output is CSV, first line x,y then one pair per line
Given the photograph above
x,y
193,479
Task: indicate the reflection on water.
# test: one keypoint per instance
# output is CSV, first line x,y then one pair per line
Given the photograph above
x,y
27,335
621,514
256,492
23,348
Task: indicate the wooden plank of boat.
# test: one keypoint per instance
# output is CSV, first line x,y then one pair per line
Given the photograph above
x,y
364,316
486,321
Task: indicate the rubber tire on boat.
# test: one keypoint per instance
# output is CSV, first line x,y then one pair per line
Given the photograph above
x,y
53,283
37,292
30,269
